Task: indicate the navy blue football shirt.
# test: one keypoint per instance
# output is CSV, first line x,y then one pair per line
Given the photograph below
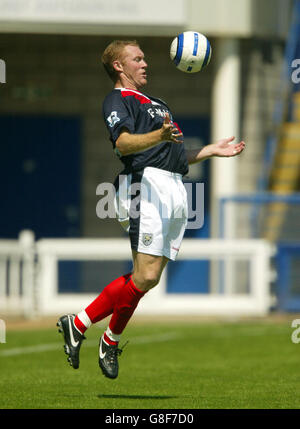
x,y
141,114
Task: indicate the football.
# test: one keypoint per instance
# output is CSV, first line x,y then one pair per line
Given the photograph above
x,y
190,51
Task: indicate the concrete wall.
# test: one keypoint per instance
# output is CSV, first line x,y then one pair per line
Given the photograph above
x,y
240,18
62,74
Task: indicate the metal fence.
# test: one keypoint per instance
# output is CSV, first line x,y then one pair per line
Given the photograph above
x,y
276,218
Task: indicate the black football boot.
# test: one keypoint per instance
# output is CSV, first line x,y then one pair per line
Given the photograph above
x,y
72,337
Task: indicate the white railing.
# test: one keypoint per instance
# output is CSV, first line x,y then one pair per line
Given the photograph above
x,y
17,267
158,301
29,283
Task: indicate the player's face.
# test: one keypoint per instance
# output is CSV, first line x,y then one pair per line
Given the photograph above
x,y
134,67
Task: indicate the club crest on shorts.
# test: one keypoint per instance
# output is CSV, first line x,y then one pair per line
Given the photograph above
x,y
147,238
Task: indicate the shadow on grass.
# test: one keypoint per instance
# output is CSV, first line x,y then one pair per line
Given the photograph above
x,y
136,397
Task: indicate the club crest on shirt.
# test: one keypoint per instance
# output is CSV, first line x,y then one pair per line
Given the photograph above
x,y
147,238
112,119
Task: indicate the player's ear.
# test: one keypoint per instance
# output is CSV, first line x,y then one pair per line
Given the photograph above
x,y
117,66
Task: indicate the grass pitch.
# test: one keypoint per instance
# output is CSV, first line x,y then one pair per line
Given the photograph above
x,y
167,365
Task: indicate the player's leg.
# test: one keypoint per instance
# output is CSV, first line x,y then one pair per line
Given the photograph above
x,y
146,274
73,327
152,247
104,304
147,270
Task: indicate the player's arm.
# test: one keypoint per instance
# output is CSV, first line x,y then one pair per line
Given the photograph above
x,y
222,148
128,143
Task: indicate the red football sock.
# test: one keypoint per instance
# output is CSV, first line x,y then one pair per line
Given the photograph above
x,y
109,341
79,325
127,302
103,305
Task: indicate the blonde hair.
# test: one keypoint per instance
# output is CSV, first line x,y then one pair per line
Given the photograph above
x,y
114,52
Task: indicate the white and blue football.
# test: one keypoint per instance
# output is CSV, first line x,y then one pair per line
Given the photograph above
x,y
190,51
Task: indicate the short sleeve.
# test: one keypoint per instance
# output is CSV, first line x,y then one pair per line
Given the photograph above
x,y
117,114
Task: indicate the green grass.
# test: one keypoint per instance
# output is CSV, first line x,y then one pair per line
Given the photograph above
x,y
197,366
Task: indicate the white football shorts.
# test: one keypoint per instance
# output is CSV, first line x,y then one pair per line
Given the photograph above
x,y
151,206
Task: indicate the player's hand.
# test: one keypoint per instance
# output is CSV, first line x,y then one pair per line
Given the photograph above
x,y
223,147
169,132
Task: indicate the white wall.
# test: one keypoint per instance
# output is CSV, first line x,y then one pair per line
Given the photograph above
x,y
240,18
158,17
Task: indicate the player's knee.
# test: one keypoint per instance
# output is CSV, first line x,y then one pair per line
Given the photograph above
x,y
148,280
